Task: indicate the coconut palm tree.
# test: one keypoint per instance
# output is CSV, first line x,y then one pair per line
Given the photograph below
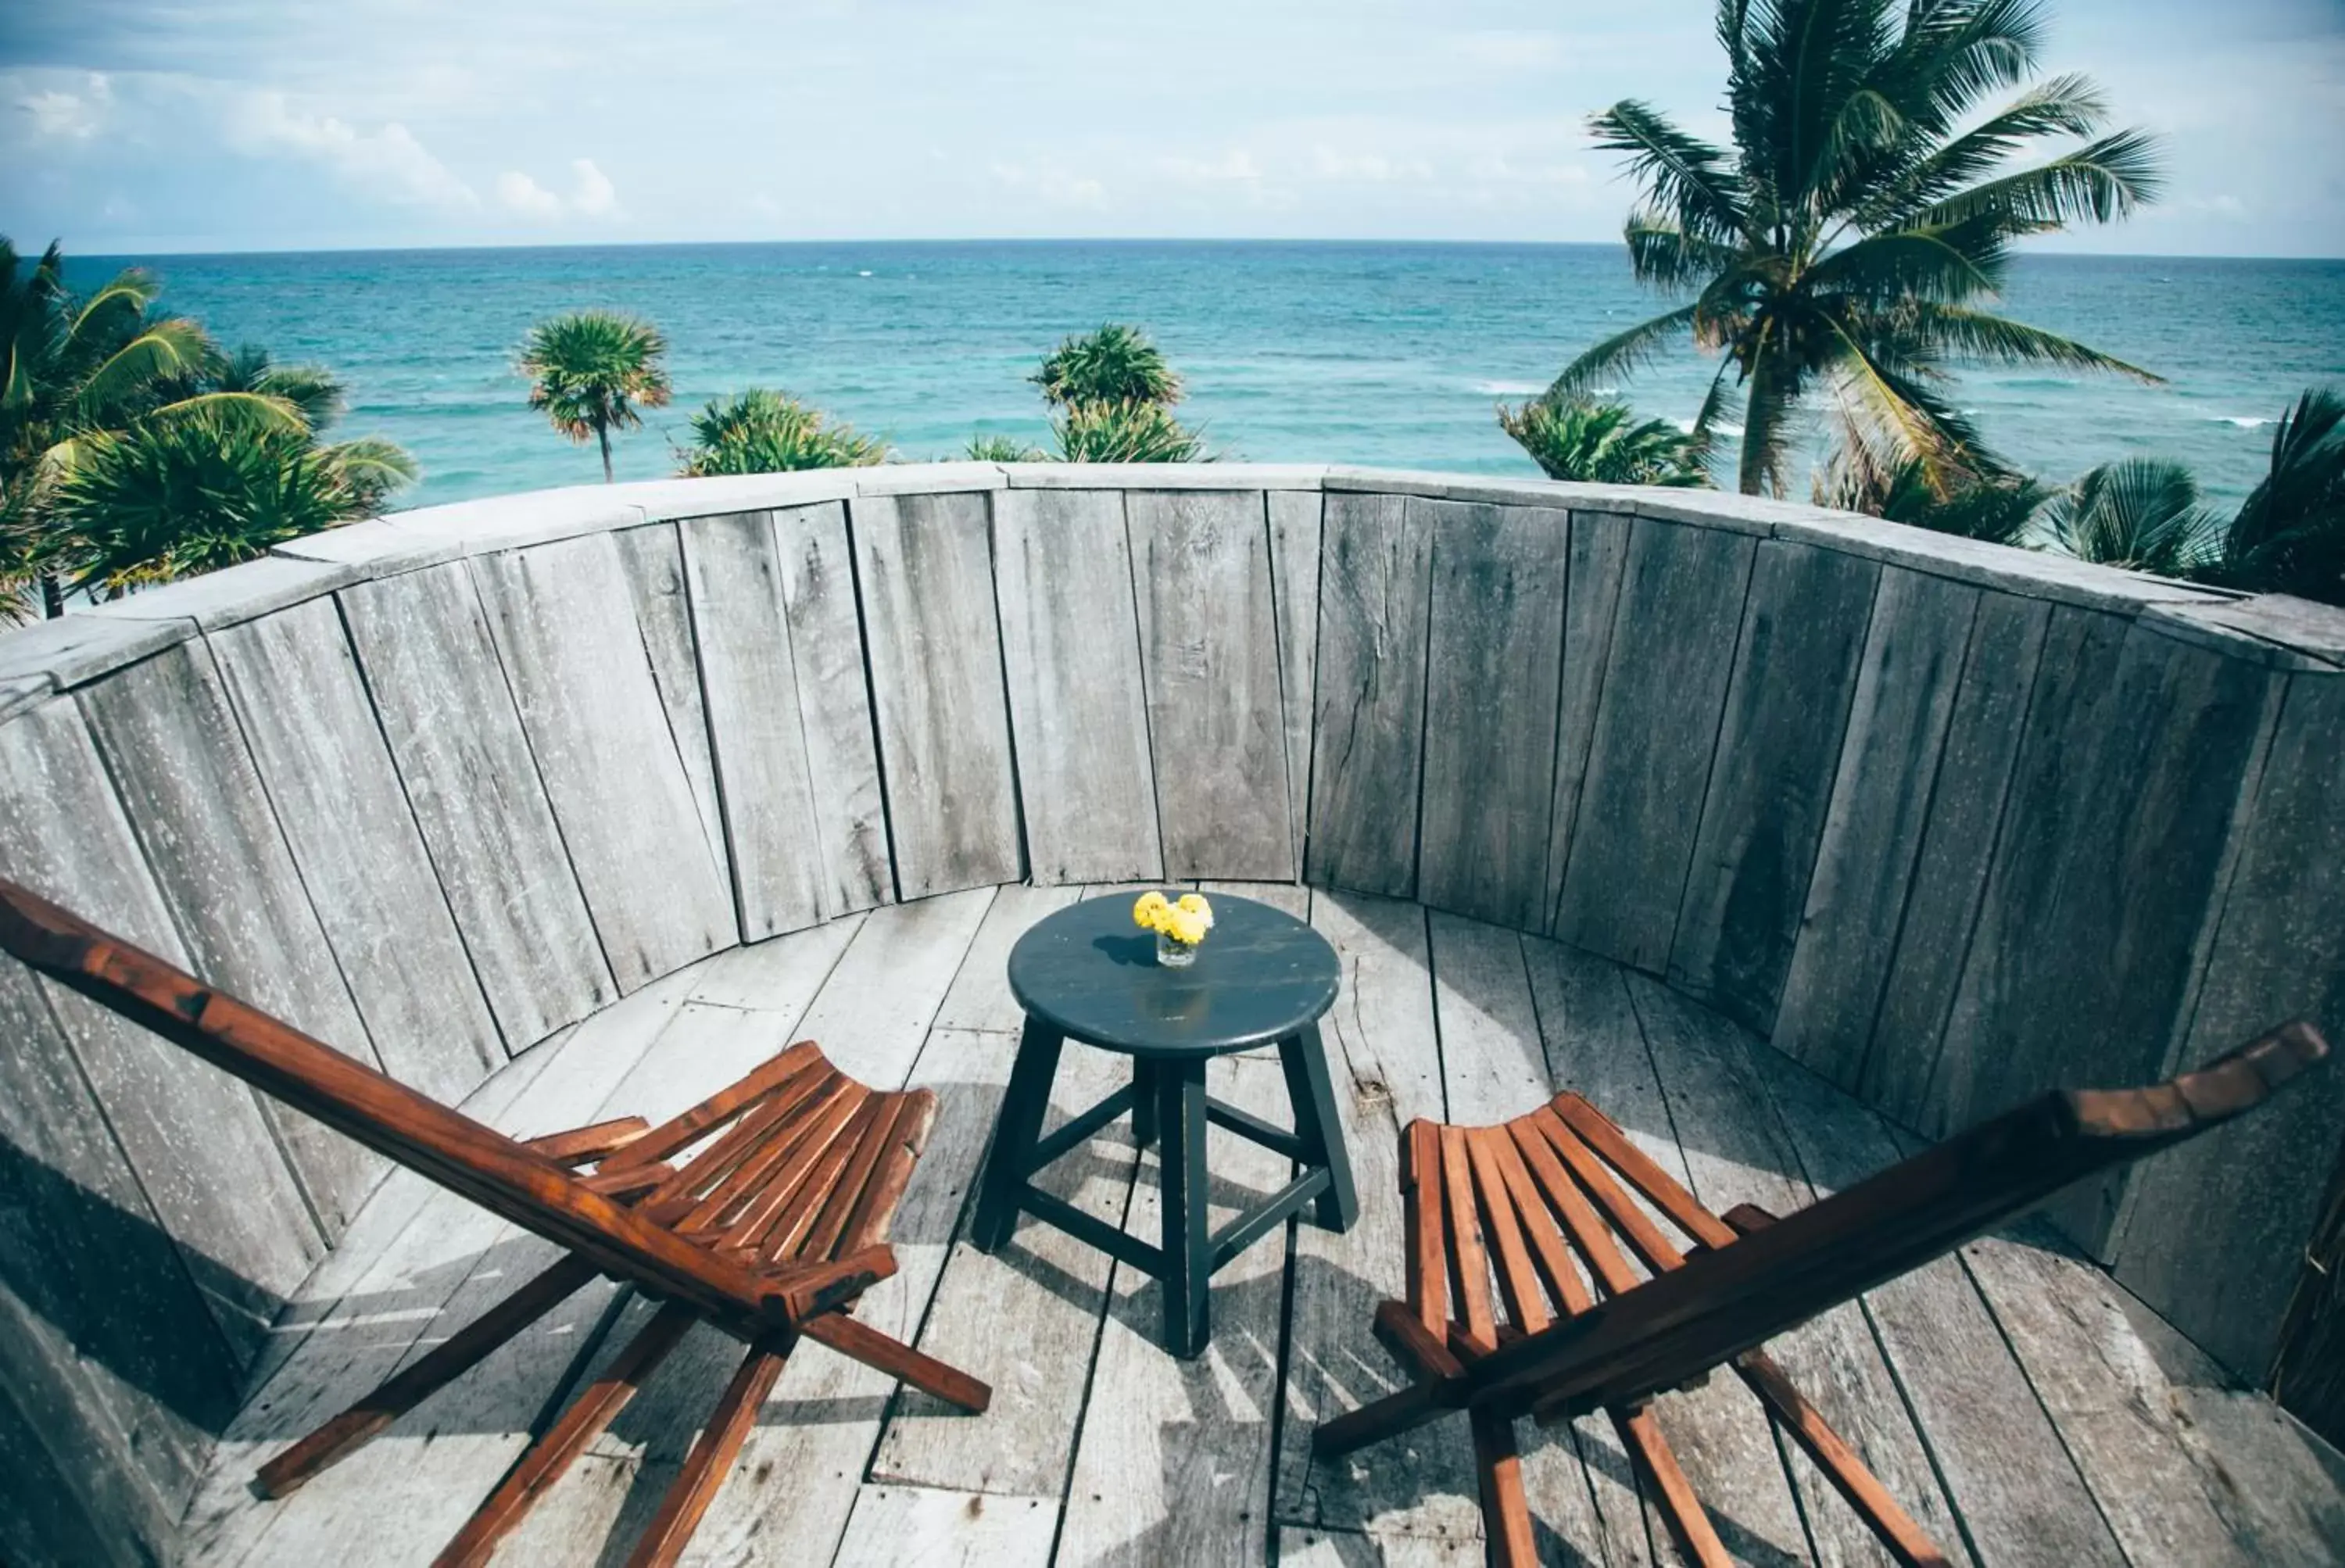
x,y
763,431
592,372
1126,432
1605,443
1995,503
1849,239
2141,513
73,369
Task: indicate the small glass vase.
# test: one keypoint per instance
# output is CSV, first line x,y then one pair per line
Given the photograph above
x,y
1173,954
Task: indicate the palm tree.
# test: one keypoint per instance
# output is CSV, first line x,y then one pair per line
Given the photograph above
x,y
1116,365
1604,444
1993,503
591,371
762,431
1002,449
1850,238
2289,536
73,369
2141,513
1126,432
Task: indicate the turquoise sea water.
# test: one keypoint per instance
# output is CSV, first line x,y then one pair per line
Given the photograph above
x,y
1390,354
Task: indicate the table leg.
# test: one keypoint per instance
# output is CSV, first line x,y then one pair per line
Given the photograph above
x,y
1317,1123
1188,1260
1143,1102
1011,1159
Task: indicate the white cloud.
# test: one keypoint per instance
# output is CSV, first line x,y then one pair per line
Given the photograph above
x,y
1237,165
516,192
1056,186
73,116
1372,168
592,193
595,196
387,162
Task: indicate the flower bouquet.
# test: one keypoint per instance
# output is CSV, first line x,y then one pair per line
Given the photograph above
x,y
1179,926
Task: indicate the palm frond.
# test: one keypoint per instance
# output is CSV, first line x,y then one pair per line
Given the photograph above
x,y
1116,365
1997,340
2142,513
2099,182
1958,51
1662,255
2289,536
1887,412
2064,105
1604,444
1682,174
166,349
1619,354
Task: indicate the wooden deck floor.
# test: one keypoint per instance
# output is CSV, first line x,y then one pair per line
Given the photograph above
x,y
2024,1408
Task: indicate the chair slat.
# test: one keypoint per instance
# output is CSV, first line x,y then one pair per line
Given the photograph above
x,y
762,1208
854,1181
1592,1177
1662,1190
785,1238
1472,1272
876,1208
1518,1283
1547,1246
687,1127
722,1177
1421,1205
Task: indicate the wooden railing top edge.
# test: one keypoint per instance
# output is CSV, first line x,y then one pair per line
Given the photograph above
x,y
77,649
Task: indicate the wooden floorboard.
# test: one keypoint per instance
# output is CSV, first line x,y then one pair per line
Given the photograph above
x,y
2024,1407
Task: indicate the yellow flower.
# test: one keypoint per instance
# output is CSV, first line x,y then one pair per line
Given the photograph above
x,y
1188,926
1150,912
1195,904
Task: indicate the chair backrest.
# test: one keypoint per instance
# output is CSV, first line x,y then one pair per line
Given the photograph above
x,y
1730,1298
478,1162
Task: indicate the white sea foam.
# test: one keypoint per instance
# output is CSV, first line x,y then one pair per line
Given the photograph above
x,y
1718,427
2244,422
1510,389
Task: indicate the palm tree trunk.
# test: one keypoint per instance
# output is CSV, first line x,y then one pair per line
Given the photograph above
x,y
603,435
53,596
1762,417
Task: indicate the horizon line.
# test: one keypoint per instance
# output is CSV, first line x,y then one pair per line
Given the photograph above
x,y
2027,252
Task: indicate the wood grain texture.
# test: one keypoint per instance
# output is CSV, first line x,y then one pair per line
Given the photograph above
x,y
563,620
1209,653
1649,760
1295,539
424,645
923,564
1070,649
980,998
1494,657
1880,797
2214,1234
1779,746
1367,742
207,1160
2116,836
1942,902
759,739
653,559
195,802
835,701
898,1524
295,685
1598,554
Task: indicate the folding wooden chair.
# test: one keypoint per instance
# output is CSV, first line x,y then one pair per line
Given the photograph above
x,y
1543,1206
763,1210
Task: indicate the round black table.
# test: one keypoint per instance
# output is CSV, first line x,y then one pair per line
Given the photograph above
x,y
1087,974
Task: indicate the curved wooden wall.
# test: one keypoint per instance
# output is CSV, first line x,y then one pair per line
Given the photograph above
x,y
1947,822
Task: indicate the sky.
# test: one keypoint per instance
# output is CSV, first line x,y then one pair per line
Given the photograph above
x,y
147,126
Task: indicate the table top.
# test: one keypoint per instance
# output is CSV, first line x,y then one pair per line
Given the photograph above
x,y
1092,974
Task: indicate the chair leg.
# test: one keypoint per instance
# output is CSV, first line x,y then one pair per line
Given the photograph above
x,y
588,1415
898,1361
1666,1487
1303,1056
349,1431
711,1460
1505,1512
1895,1529
1188,1240
1009,1161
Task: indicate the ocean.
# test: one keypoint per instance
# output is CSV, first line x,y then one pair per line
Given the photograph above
x,y
1376,353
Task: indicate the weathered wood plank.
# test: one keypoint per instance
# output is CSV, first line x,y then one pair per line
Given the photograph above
x,y
2116,837
47,1516
924,567
1295,533
881,998
2128,1394
775,976
1881,800
2002,1466
1379,1040
835,701
1598,555
898,1524
2215,1233
1070,650
1494,1068
295,685
751,685
1649,760
1209,655
1494,654
979,998
1720,1433
563,618
1941,907
1367,740
197,805
1778,745
204,1156
653,559
1315,1547
1173,1465
423,642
